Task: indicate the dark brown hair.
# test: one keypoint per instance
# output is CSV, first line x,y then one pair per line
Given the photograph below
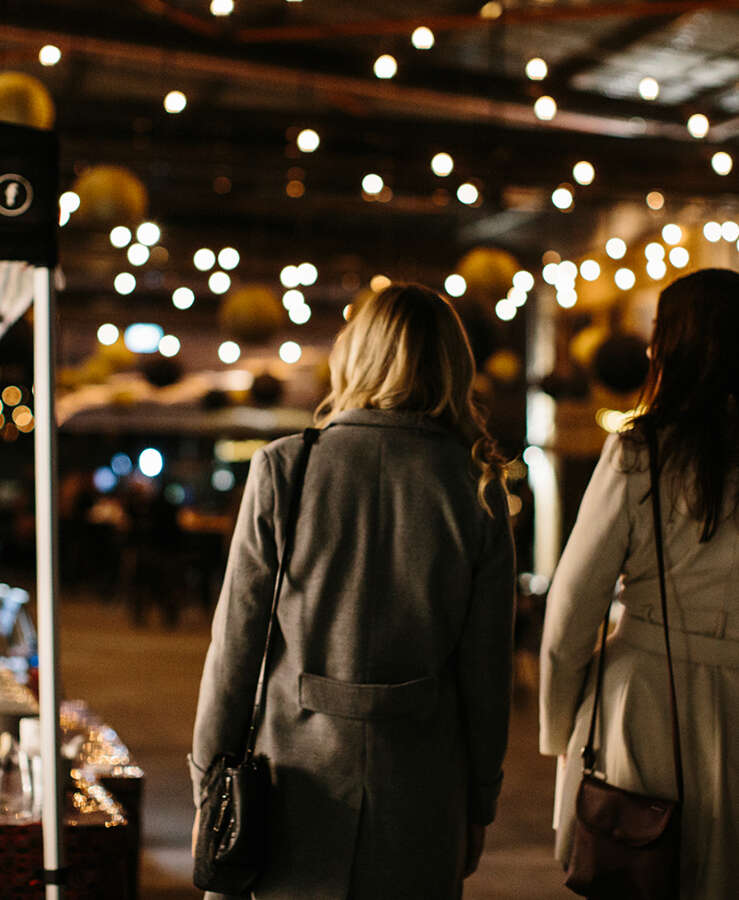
x,y
690,396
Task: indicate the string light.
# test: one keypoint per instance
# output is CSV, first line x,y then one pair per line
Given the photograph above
x,y
148,233
649,88
455,285
228,258
655,200
467,193
562,198
307,273
204,259
69,201
219,282
379,283
656,269
183,298
698,125
107,334
616,248
292,297
229,352
300,313
523,280
545,108
175,102
372,183
290,277
566,297
679,257
536,69
672,234
442,164
712,232
49,55
221,7
124,283
722,163
137,254
308,140
653,250
423,38
120,236
589,269
385,66
505,309
290,352
730,231
583,172
169,345
625,279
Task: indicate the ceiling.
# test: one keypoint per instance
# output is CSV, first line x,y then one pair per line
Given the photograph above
x,y
217,173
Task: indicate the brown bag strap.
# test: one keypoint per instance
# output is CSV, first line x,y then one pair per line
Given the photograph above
x,y
310,436
588,752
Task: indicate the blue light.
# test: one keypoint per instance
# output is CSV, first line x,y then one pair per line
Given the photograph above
x,y
143,337
121,464
104,479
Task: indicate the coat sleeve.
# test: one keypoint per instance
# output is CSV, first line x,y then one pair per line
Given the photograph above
x,y
485,665
231,670
581,590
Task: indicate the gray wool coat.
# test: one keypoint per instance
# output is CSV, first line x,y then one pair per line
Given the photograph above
x,y
389,687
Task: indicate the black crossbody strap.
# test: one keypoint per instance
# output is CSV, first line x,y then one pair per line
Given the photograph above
x,y
654,476
310,436
588,752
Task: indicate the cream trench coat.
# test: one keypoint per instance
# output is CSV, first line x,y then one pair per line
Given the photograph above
x,y
614,538
388,697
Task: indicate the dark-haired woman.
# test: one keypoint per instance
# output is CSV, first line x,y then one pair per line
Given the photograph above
x,y
690,400
388,692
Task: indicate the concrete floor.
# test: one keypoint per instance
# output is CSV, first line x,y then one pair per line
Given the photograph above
x,y
144,682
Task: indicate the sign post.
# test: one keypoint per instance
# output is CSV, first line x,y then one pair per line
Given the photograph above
x,y
28,217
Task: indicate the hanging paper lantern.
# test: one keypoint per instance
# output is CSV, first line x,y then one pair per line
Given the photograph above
x,y
24,100
488,272
111,195
251,313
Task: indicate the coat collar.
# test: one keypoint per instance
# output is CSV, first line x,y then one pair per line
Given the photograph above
x,y
387,418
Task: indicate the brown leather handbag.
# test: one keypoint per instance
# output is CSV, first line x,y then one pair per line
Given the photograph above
x,y
628,844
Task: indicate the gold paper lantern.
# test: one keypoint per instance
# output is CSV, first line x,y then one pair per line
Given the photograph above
x,y
24,100
251,313
488,272
111,194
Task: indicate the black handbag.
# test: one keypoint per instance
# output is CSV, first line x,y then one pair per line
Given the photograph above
x,y
232,849
628,844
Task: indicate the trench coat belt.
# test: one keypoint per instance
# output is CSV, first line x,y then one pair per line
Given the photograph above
x,y
684,645
368,701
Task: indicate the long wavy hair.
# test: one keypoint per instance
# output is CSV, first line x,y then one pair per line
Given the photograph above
x,y
406,349
690,395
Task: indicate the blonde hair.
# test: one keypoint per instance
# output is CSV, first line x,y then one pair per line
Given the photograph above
x,y
406,349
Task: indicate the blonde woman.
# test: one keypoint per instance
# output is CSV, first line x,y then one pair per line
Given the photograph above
x,y
399,597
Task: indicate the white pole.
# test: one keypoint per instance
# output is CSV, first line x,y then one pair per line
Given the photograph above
x,y
47,573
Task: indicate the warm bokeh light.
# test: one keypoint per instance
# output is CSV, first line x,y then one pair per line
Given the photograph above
x,y
290,276
566,297
656,269
653,250
536,69
549,272
583,172
228,258
679,257
221,7
442,164
467,193
138,254
506,309
722,162
649,88
290,352
49,55
562,198
545,108
307,273
120,236
372,183
730,231
169,345
625,279
379,283
698,125
423,38
523,280
672,234
295,188
107,334
148,233
11,395
299,313
385,66
204,259
183,298
229,352
655,200
589,269
492,10
712,232
175,102
219,282
517,296
124,283
292,298
69,201
308,140
566,271
616,248
455,285
143,337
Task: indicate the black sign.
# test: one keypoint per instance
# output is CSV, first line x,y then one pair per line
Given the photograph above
x,y
29,208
